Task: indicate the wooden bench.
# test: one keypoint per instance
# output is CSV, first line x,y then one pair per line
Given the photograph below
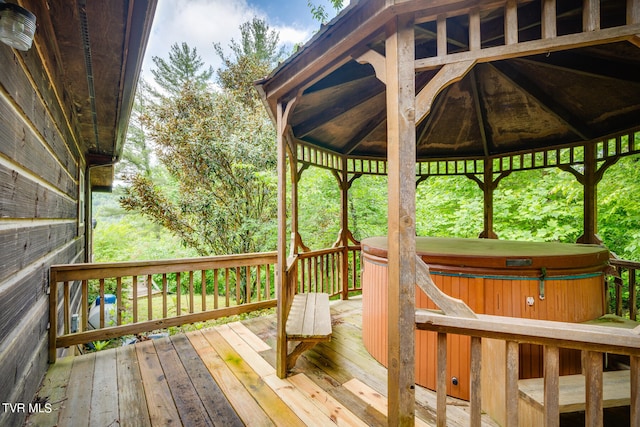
x,y
308,322
616,392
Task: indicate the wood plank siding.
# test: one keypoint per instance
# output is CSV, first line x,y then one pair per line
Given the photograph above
x,y
39,204
46,159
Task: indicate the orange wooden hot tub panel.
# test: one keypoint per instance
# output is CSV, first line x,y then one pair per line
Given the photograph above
x,y
574,300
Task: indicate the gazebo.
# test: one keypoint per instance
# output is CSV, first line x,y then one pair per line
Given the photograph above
x,y
414,88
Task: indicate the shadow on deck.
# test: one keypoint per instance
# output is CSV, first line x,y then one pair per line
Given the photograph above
x,y
225,376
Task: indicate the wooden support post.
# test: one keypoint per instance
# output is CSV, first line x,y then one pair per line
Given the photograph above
x,y
593,389
487,189
281,269
590,188
401,149
344,235
511,383
551,386
295,179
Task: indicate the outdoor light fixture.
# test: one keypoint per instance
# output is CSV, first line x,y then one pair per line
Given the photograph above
x,y
17,26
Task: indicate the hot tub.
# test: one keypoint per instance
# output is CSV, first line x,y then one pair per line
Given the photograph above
x,y
549,281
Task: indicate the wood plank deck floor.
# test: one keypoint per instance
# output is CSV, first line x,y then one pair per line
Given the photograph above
x,y
225,376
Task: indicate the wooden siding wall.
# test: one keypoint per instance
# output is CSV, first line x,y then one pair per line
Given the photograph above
x,y
40,165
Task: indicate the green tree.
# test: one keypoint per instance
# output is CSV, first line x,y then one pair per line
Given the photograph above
x,y
136,153
184,67
218,148
253,57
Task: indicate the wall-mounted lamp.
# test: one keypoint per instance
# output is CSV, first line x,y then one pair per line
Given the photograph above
x,y
17,26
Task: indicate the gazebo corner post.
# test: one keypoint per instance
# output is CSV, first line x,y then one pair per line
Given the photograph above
x,y
401,155
590,188
282,281
488,188
344,235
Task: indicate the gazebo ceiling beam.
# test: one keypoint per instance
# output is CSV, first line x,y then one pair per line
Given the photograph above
x,y
576,125
588,65
481,114
545,45
372,124
303,129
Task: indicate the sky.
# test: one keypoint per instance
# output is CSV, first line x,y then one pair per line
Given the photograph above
x,y
200,23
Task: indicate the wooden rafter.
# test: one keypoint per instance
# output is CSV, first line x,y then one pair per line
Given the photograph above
x,y
547,101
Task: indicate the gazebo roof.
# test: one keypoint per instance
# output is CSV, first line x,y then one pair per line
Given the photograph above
x,y
562,95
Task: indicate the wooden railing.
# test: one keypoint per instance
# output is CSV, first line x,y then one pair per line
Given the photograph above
x,y
593,340
623,285
153,295
335,271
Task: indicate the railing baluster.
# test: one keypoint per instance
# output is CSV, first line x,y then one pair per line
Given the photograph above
x,y
441,381
165,292
191,296
248,284
633,306
635,390
118,302
102,304
226,287
476,381
593,389
511,383
85,306
238,286
267,288
149,298
178,294
66,307
203,289
134,300
215,288
551,386
258,282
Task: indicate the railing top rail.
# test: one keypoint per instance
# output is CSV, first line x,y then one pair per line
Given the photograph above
x,y
544,332
624,263
87,271
320,252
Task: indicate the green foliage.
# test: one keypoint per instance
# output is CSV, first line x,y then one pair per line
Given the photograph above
x,y
618,210
448,207
253,57
119,236
184,67
319,204
540,205
320,13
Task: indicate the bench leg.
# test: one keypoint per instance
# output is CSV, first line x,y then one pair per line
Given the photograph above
x,y
296,352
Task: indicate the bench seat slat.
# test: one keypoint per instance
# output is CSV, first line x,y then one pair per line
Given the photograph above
x,y
309,318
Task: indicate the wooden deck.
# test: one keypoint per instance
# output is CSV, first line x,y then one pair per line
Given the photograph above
x,y
224,377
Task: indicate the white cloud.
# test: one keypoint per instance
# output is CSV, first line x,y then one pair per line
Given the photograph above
x,y
200,23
